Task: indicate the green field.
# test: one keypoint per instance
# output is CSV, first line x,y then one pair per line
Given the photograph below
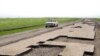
x,y
97,19
14,25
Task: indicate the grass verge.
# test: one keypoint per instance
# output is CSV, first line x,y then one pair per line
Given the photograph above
x,y
14,25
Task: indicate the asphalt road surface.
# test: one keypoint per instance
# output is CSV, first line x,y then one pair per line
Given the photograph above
x,y
53,51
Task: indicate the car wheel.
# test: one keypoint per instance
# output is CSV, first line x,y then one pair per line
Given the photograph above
x,y
45,26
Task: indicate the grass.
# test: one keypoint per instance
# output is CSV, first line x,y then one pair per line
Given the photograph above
x,y
63,20
7,24
15,25
97,19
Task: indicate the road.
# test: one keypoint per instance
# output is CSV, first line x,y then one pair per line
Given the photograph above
x,y
11,38
80,40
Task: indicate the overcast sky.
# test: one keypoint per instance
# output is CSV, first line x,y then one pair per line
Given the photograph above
x,y
49,8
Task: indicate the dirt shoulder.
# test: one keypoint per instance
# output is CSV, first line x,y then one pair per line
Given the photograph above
x,y
97,40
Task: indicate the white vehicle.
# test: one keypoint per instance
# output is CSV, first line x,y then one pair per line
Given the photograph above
x,y
51,23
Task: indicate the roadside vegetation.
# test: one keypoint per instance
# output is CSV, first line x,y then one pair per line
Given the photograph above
x,y
64,20
97,19
14,25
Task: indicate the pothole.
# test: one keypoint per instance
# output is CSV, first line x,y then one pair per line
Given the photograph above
x,y
88,54
48,50
66,39
44,51
77,27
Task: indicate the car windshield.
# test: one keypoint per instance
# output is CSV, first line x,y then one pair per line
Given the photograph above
x,y
51,20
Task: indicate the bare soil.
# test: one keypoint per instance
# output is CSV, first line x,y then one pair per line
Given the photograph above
x,y
44,51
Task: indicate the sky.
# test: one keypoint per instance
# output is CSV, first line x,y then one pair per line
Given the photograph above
x,y
49,8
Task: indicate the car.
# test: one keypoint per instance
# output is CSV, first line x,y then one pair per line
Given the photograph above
x,y
51,23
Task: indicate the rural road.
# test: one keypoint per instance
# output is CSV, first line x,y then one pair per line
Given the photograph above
x,y
7,39
80,39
